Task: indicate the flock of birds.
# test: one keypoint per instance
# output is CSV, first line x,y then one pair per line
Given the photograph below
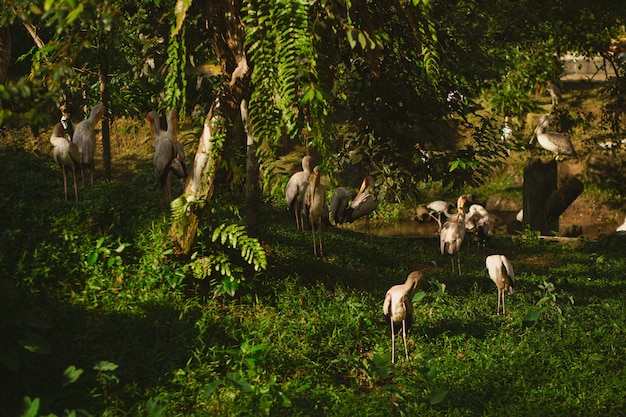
x,y
305,196
306,199
77,151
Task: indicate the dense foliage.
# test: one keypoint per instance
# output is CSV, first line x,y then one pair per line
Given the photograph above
x,y
101,315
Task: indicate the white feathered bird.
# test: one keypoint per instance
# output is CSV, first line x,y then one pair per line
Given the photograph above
x,y
398,308
501,273
295,191
554,142
452,234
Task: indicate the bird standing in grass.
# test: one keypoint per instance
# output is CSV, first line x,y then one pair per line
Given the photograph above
x,y
477,223
339,203
452,234
363,205
178,166
85,138
554,142
164,154
295,191
315,201
502,274
66,154
554,91
398,308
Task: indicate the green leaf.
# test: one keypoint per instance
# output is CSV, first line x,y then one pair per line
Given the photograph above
x,y
419,296
71,374
209,389
351,39
239,381
92,258
31,407
155,408
105,366
362,40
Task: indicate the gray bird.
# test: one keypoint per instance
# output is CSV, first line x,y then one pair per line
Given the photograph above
x,y
363,205
178,166
315,201
398,308
452,234
554,91
164,154
339,203
502,274
85,138
554,142
66,154
295,191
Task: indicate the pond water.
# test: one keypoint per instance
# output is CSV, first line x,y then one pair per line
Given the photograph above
x,y
503,222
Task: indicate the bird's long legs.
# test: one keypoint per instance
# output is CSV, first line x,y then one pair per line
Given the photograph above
x,y
406,351
437,219
75,187
393,343
64,180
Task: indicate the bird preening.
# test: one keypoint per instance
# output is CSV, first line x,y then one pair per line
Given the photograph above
x,y
339,203
439,207
66,154
85,139
555,142
169,157
398,308
452,234
315,201
362,205
295,191
501,273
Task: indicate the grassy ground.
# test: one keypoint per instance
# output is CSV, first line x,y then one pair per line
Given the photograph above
x,y
98,318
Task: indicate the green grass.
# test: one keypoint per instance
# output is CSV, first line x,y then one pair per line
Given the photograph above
x,y
306,337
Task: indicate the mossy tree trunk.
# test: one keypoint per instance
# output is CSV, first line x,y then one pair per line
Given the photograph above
x,y
227,33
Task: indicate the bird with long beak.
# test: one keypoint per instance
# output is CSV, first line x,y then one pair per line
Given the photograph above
x,y
452,234
398,307
554,142
501,273
363,205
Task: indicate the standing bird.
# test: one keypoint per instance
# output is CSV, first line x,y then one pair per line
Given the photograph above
x,y
439,207
164,153
295,191
398,308
362,205
554,91
452,234
502,274
477,222
339,203
66,154
621,227
552,141
85,138
315,201
178,166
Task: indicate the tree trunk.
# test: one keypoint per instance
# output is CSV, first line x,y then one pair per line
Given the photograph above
x,y
227,33
252,189
5,52
105,96
540,181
